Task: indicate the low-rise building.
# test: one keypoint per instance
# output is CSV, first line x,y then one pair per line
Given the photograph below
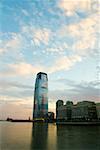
x,y
84,110
59,105
62,112
79,112
98,110
51,116
69,105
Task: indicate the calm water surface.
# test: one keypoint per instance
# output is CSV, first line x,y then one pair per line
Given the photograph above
x,y
39,136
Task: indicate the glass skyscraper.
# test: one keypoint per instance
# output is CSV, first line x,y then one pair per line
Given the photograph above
x,y
41,96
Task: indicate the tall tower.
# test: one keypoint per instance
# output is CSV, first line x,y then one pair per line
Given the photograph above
x,y
41,96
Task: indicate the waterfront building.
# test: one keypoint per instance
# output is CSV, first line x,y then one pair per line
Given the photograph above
x,y
41,96
98,110
59,104
79,112
50,116
69,105
84,110
63,112
61,115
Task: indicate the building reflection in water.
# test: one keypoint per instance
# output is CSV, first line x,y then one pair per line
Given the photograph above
x,y
39,136
78,137
43,136
52,137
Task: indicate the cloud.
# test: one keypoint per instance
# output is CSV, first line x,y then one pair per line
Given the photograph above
x,y
37,35
2,50
14,84
18,92
77,91
84,34
25,69
41,35
21,69
25,12
18,108
64,63
22,107
70,7
12,43
57,48
15,108
73,84
28,37
11,47
87,33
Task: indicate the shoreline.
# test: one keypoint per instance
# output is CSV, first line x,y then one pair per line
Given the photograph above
x,y
58,123
79,123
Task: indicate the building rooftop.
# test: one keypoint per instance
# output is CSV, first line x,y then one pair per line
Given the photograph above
x,y
41,73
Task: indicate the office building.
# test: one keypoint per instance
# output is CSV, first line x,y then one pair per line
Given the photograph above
x,y
84,110
98,110
41,96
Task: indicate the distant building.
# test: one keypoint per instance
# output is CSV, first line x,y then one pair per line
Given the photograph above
x,y
63,112
69,105
50,116
59,105
84,110
98,110
41,96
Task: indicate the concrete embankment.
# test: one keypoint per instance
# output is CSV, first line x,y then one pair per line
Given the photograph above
x,y
78,123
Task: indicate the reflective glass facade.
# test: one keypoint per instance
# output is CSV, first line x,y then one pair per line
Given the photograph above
x,y
41,96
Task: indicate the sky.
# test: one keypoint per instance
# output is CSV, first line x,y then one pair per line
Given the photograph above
x,y
58,37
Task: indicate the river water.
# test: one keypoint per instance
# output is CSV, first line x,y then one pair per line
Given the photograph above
x,y
41,136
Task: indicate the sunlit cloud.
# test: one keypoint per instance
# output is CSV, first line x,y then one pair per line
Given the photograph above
x,y
37,35
12,43
65,63
21,108
70,7
24,69
85,33
15,108
59,49
2,50
21,69
41,36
